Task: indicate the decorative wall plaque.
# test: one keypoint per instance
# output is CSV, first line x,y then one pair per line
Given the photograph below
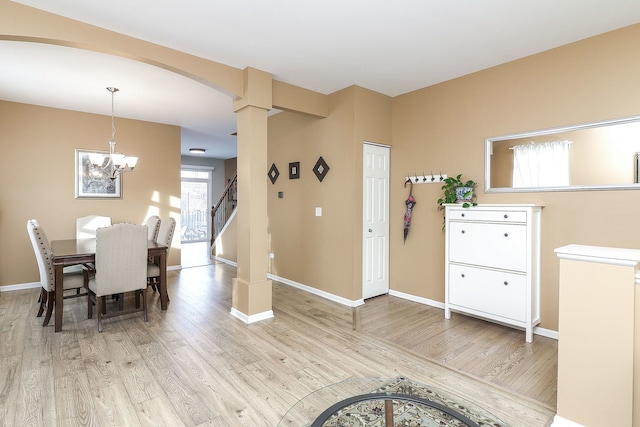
x,y
321,169
274,173
294,170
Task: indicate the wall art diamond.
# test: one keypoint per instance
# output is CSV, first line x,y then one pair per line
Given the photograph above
x,y
321,169
274,173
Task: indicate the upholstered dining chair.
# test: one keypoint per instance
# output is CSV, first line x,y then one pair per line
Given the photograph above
x,y
73,278
120,267
86,226
165,236
153,226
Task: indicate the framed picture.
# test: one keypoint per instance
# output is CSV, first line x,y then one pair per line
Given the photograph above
x,y
294,170
93,176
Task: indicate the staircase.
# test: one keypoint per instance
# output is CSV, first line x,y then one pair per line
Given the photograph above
x,y
222,211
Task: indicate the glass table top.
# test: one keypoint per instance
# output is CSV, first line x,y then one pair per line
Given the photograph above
x,y
367,401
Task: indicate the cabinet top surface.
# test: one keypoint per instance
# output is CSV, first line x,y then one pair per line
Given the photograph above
x,y
599,254
482,207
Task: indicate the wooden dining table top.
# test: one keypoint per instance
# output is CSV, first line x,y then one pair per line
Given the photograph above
x,y
80,248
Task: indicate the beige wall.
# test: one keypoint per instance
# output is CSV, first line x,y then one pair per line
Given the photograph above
x,y
37,175
323,252
442,128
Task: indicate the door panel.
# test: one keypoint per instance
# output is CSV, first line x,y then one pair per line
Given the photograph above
x,y
375,215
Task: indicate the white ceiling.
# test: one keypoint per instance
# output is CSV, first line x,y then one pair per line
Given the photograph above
x,y
391,48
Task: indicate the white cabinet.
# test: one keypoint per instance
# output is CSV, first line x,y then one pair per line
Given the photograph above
x,y
492,263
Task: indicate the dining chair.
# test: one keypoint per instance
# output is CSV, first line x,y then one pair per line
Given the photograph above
x,y
165,236
86,226
120,267
73,277
153,225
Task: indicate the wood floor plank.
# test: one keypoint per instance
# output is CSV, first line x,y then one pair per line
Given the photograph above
x,y
172,379
74,403
36,397
112,406
10,377
158,412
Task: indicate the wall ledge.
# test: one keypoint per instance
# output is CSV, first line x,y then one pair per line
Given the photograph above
x,y
600,254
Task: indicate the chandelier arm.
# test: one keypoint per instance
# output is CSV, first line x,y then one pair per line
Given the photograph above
x,y
117,162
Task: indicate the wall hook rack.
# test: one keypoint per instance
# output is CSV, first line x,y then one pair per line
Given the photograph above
x,y
426,179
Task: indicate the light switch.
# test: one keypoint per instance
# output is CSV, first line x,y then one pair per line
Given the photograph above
x,y
318,211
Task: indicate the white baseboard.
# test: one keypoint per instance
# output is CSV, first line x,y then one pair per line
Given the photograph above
x,y
312,290
226,261
253,318
19,287
549,333
558,421
421,300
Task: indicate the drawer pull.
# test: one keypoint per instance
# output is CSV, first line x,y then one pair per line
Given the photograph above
x,y
506,234
462,231
462,215
506,283
462,275
506,216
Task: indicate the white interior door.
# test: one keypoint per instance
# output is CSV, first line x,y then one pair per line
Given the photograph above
x,y
375,220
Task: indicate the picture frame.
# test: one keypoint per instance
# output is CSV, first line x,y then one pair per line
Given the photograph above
x,y
94,181
294,170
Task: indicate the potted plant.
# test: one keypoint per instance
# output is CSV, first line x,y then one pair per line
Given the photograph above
x,y
455,190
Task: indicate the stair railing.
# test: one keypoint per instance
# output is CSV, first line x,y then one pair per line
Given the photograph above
x,y
221,212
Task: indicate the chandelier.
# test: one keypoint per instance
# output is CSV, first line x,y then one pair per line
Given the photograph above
x,y
116,163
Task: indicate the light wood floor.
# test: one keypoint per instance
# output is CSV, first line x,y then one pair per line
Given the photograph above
x,y
485,350
196,365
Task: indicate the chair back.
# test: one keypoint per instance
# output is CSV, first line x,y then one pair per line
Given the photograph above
x,y
121,258
153,225
87,225
42,251
165,234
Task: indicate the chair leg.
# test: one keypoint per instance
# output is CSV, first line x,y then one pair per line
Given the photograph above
x,y
144,304
43,301
103,308
89,305
50,298
100,310
137,299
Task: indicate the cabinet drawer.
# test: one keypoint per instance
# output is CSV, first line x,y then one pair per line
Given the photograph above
x,y
492,292
498,215
489,244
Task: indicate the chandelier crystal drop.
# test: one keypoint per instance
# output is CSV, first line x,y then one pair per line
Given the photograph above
x,y
116,163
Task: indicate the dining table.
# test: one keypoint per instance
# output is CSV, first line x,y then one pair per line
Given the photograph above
x,y
83,251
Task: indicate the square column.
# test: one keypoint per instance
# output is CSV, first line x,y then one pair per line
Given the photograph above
x,y
251,297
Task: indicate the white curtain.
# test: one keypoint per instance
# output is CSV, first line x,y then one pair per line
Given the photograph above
x,y
541,165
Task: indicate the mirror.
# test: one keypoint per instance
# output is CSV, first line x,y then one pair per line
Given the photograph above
x,y
601,156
